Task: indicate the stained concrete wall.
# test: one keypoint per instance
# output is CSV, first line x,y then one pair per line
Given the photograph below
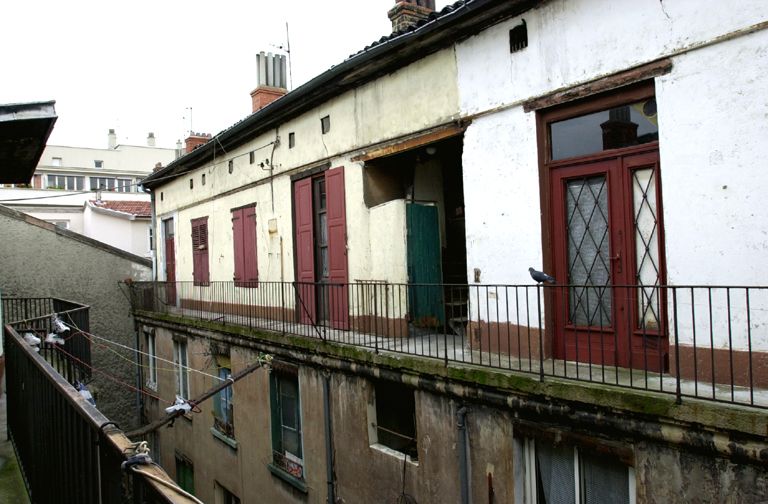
x,y
365,471
40,260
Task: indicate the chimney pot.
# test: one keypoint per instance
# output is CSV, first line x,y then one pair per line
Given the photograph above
x,y
151,139
111,139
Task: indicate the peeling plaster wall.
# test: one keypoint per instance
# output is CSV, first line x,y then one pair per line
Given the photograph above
x,y
39,261
712,126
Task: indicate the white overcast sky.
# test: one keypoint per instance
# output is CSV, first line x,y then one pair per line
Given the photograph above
x,y
136,66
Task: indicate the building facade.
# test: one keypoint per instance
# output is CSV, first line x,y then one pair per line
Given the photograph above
x,y
373,229
66,178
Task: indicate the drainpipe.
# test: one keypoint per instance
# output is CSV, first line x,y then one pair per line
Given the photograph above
x,y
328,437
461,419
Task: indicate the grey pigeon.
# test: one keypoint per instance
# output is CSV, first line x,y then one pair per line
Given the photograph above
x,y
540,276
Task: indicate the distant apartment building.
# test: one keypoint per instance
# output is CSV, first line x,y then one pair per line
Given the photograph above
x,y
72,184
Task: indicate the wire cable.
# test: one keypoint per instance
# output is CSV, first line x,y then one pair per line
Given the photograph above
x,y
175,364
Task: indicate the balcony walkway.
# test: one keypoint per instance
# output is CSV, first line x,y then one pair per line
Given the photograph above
x,y
456,349
12,489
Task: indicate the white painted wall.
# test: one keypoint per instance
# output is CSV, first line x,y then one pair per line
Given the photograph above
x,y
381,110
712,122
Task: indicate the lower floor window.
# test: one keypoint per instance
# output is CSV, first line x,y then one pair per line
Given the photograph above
x,y
564,474
185,474
286,423
224,496
396,417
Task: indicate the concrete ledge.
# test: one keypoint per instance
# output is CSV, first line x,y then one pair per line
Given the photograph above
x,y
731,431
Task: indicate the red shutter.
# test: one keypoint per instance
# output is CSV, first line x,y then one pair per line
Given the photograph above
x,y
200,272
244,239
250,258
337,248
305,244
237,240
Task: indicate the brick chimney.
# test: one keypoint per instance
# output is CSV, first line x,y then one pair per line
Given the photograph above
x,y
195,140
406,13
271,78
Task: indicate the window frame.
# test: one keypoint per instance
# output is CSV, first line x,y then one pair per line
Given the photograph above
x,y
184,462
526,459
284,464
65,182
393,389
181,350
151,351
223,404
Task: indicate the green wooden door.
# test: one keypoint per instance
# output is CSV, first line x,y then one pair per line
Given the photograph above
x,y
424,265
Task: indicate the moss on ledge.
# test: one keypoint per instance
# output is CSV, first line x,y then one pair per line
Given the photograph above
x,y
708,414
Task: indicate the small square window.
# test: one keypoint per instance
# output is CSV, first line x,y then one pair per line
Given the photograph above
x,y
56,161
252,157
325,124
231,165
98,163
292,140
395,422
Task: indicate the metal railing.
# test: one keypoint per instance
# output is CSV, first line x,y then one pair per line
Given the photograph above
x,y
35,316
707,342
67,450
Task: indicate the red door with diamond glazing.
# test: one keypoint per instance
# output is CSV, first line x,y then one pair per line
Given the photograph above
x,y
607,249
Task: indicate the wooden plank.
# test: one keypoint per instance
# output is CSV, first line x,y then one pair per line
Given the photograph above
x,y
412,142
637,74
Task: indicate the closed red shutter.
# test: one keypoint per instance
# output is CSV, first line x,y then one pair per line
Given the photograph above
x,y
305,259
200,272
337,248
250,258
244,240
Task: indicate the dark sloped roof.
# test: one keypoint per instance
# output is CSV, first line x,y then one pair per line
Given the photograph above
x,y
454,22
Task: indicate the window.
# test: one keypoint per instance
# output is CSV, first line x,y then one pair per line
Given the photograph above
x,y
231,165
151,236
325,124
202,179
56,161
395,422
191,183
149,340
103,183
621,126
223,408
244,239
291,140
185,474
252,157
123,185
182,368
224,496
67,182
98,163
568,475
286,423
200,273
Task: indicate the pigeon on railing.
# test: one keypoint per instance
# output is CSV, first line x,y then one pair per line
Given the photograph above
x,y
540,276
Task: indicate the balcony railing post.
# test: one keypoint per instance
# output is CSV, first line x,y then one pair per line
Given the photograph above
x,y
541,335
678,394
